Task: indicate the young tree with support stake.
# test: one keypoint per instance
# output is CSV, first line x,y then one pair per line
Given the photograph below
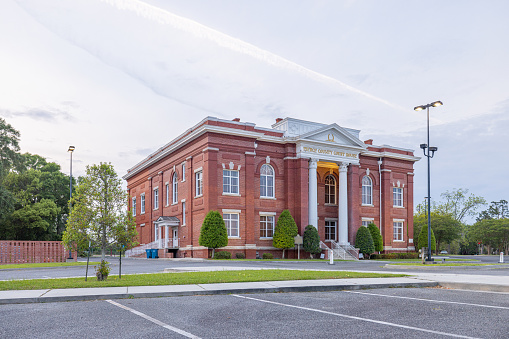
x,y
99,212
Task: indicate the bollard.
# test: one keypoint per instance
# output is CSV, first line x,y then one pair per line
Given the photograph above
x,y
331,257
501,257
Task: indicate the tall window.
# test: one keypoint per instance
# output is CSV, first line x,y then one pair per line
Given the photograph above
x,y
175,188
266,226
231,221
330,189
230,182
367,191
156,198
167,194
142,203
184,171
183,213
397,196
267,181
133,207
398,230
199,183
330,230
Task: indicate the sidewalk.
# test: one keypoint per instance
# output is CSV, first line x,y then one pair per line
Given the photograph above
x,y
419,279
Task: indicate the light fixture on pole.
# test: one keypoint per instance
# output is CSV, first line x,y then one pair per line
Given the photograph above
x,y
429,155
71,149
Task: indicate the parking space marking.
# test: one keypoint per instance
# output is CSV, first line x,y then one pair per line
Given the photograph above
x,y
155,321
355,318
430,300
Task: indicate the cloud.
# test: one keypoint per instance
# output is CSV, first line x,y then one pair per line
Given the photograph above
x,y
39,114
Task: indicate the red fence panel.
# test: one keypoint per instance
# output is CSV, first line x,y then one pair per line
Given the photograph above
x,y
20,252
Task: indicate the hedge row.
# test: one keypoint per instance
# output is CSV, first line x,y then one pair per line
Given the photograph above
x,y
409,255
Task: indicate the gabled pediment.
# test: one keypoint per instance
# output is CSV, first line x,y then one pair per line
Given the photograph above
x,y
333,134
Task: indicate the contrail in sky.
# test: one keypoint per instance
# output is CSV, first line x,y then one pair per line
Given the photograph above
x,y
187,25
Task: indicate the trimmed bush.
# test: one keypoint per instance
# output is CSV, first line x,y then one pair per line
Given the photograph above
x,y
311,240
213,232
267,256
406,255
423,239
285,231
364,241
240,255
377,237
223,255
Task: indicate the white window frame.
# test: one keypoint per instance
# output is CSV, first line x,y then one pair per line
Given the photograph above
x,y
198,179
328,194
133,207
264,183
156,198
230,188
397,197
229,217
400,225
167,189
174,190
366,221
331,224
142,203
367,191
183,213
183,171
270,218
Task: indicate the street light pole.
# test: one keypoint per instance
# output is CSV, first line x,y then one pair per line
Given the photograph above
x,y
71,149
429,155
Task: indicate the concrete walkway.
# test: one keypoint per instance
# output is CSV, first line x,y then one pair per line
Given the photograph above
x,y
417,279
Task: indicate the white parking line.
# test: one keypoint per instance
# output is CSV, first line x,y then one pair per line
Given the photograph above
x,y
356,318
430,300
155,321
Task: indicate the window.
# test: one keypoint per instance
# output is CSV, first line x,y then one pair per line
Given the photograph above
x,y
398,231
330,230
183,213
267,181
184,171
266,226
175,188
231,221
167,194
230,182
365,223
367,191
397,196
156,198
142,203
199,183
330,189
133,207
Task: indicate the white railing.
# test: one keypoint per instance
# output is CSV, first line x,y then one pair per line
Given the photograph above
x,y
344,252
141,249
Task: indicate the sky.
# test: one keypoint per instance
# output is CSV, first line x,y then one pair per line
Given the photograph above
x,y
118,79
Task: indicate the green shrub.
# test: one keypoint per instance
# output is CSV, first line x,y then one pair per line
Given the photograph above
x,y
285,231
213,232
102,271
223,255
311,240
364,241
267,256
240,255
406,255
423,239
377,237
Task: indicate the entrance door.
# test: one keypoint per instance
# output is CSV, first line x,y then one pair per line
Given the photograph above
x,y
175,237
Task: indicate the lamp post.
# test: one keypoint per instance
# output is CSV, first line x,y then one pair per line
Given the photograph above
x,y
429,155
71,149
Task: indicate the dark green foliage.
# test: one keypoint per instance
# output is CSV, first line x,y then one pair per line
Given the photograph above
x,y
222,255
285,231
377,237
213,232
102,270
364,241
408,255
311,241
9,148
240,255
423,239
267,256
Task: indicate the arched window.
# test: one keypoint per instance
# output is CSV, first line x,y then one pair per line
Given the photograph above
x,y
267,181
367,191
175,188
330,189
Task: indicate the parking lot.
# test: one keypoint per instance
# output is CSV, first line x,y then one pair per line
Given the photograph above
x,y
377,313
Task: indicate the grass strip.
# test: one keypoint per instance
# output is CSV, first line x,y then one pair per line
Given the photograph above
x,y
446,264
186,278
46,264
420,260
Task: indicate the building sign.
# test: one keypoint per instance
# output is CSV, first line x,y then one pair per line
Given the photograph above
x,y
329,152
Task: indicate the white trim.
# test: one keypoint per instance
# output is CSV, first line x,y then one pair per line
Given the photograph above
x,y
228,211
367,219
291,158
385,170
267,213
210,149
410,173
331,219
398,220
391,155
142,225
183,200
232,194
155,188
368,205
250,153
268,198
198,169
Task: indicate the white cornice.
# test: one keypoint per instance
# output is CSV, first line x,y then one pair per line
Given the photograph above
x,y
390,155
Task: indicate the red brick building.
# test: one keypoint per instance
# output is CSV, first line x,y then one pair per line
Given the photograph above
x,y
323,174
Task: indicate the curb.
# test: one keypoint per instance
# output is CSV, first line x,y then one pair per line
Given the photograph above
x,y
474,286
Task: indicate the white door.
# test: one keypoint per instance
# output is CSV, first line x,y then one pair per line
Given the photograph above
x,y
175,237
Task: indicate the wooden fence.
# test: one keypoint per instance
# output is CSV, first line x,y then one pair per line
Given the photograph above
x,y
20,252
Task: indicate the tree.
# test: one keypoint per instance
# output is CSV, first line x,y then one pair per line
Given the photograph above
x,y
311,240
364,241
493,233
459,204
423,238
99,212
213,232
285,231
445,228
377,237
9,148
496,210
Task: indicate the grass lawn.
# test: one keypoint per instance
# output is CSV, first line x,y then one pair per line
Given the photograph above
x,y
445,264
47,264
185,278
420,260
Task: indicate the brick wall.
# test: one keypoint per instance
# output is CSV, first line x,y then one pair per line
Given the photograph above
x,y
20,252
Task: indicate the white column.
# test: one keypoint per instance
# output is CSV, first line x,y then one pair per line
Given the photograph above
x,y
313,194
160,236
166,229
343,204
